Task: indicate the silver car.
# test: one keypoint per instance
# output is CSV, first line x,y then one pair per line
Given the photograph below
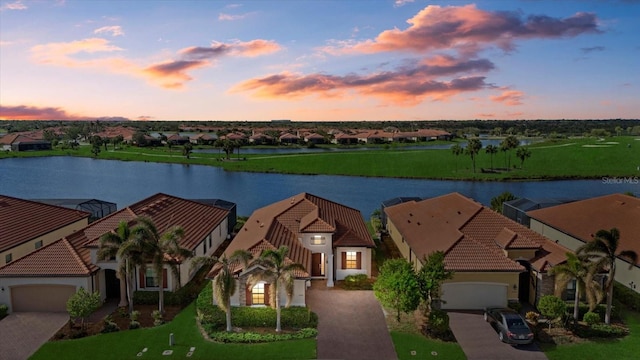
x,y
511,326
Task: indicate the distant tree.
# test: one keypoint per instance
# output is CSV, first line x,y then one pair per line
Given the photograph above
x,y
431,276
397,286
226,145
48,135
619,130
472,149
139,139
496,202
491,150
186,149
82,304
96,143
497,131
117,140
456,149
509,143
523,153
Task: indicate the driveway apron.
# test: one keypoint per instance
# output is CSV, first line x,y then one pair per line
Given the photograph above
x,y
480,341
351,325
23,333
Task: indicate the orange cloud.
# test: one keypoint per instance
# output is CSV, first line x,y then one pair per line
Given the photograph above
x,y
468,30
509,97
23,112
406,85
170,74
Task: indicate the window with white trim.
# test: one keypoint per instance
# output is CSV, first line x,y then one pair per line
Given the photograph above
x,y
258,294
318,240
150,278
351,260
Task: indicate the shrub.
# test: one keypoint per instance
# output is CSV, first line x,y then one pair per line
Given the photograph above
x,y
357,282
108,325
135,315
533,317
552,307
601,331
249,337
438,321
134,324
515,305
4,309
157,318
591,318
123,312
600,310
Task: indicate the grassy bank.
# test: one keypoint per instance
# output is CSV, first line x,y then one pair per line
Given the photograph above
x,y
562,159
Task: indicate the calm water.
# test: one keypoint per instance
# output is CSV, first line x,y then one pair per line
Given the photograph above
x,y
127,182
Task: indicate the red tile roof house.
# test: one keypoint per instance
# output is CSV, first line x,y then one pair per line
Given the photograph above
x,y
329,239
574,224
21,142
59,269
495,260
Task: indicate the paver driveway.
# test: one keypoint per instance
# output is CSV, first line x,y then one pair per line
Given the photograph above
x,y
351,325
23,333
480,341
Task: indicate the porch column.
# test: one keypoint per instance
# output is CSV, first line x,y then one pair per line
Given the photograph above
x,y
329,270
123,291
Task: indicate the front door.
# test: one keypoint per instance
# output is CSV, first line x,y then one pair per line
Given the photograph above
x,y
317,264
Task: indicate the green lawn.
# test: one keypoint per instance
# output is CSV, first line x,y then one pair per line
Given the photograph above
x,y
627,348
127,344
562,159
424,348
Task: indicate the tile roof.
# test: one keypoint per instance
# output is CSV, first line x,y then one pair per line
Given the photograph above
x,y
582,219
283,222
64,261
23,220
197,219
472,236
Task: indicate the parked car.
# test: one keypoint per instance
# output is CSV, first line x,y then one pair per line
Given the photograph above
x,y
511,326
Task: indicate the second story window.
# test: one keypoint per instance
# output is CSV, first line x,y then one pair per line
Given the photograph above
x,y
318,240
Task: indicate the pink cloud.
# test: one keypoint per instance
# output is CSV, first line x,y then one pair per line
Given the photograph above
x,y
24,112
509,97
112,30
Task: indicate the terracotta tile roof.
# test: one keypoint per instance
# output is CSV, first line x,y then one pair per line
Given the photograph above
x,y
24,220
582,219
471,235
62,258
283,222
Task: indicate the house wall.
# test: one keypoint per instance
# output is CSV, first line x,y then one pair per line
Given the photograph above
x,y
298,298
509,278
7,283
30,246
365,262
402,245
629,277
212,241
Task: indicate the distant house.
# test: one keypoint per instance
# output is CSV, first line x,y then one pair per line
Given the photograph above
x,y
57,270
344,139
374,137
329,239
314,138
261,139
288,138
574,224
19,142
177,139
203,139
495,260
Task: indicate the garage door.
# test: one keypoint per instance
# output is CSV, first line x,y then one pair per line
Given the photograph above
x,y
42,298
473,295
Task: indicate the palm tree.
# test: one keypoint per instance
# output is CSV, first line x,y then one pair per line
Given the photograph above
x,y
224,283
279,272
491,150
510,142
581,270
160,250
523,154
456,149
603,251
112,246
473,148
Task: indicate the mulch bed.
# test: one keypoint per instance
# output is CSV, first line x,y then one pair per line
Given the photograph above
x,y
120,317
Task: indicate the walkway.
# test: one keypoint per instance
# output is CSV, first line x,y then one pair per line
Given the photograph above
x,y
351,325
24,332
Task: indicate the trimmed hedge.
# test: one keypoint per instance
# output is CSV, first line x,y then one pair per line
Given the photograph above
x,y
212,316
249,337
626,296
601,309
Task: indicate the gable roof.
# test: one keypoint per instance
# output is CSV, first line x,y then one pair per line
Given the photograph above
x,y
472,236
582,219
197,219
283,222
24,220
63,261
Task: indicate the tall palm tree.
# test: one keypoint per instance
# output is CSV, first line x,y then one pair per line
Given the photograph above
x,y
160,250
456,149
603,251
278,272
111,246
224,283
472,149
581,270
491,150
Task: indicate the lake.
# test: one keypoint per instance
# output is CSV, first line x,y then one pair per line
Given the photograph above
x,y
127,182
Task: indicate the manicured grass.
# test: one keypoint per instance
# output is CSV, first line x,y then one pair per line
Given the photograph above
x,y
561,159
127,344
618,349
424,348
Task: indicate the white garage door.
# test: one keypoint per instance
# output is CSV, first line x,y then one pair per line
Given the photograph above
x,y
473,295
42,298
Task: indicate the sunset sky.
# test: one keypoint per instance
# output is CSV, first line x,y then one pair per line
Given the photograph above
x,y
319,60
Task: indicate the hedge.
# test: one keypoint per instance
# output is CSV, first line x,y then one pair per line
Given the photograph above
x,y
249,337
212,316
601,309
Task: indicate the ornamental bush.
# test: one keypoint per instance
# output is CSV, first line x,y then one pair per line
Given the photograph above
x,y
591,318
249,337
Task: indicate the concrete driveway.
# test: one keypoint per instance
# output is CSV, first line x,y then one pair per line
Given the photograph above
x,y
479,340
351,325
24,333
